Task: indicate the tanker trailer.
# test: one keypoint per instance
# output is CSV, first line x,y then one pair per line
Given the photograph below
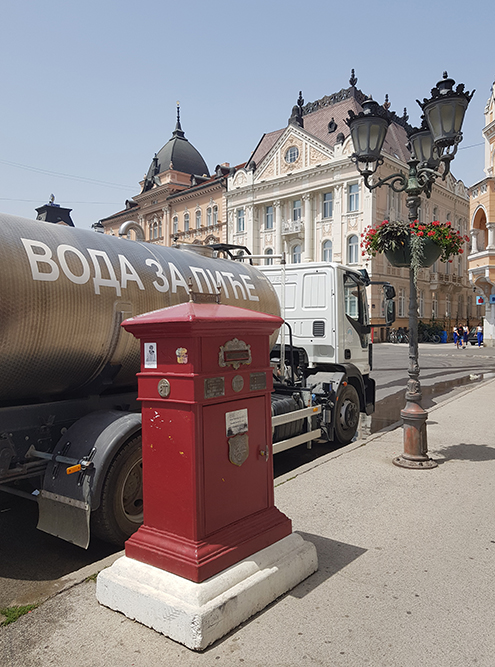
x,y
68,369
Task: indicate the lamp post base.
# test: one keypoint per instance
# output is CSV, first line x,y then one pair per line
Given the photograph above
x,y
423,464
415,441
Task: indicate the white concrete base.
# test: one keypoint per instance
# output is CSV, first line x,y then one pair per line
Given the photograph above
x,y
194,614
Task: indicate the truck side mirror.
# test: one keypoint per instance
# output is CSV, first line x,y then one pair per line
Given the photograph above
x,y
389,312
389,291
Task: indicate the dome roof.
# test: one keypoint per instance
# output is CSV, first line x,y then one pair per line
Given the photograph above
x,y
177,154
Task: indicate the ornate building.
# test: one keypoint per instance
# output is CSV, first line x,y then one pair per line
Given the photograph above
x,y
300,194
482,215
179,199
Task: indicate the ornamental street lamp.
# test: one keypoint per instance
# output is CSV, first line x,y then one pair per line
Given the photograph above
x,y
434,144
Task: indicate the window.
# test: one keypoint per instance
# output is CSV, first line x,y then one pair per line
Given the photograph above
x,y
175,224
459,265
160,228
292,154
447,306
354,197
215,215
435,213
208,217
421,303
328,204
269,217
352,249
198,219
240,220
434,305
327,251
296,209
296,254
186,222
401,303
155,230
269,260
150,231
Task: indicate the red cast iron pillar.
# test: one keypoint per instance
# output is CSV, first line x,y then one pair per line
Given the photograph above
x,y
205,385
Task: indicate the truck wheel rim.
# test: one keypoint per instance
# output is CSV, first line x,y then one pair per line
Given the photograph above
x,y
132,494
348,414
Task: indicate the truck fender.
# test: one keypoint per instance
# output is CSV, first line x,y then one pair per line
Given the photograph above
x,y
364,385
67,500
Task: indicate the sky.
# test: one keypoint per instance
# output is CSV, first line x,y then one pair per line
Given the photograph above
x,y
89,89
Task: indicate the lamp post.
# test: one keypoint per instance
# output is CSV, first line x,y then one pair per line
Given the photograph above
x,y
435,143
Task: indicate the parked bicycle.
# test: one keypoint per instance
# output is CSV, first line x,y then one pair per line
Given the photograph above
x,y
398,336
428,337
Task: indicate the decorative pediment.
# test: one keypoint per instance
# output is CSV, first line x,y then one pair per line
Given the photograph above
x,y
295,150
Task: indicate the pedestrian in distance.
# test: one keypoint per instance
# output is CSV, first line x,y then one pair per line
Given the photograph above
x,y
458,337
455,337
479,334
465,335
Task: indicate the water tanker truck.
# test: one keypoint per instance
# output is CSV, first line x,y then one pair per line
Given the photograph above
x,y
69,420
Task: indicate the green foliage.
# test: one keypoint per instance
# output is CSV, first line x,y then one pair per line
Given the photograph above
x,y
13,613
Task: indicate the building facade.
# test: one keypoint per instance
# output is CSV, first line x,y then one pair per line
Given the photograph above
x,y
301,194
179,200
482,222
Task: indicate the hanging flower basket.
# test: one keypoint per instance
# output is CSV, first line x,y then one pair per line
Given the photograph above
x,y
401,256
413,244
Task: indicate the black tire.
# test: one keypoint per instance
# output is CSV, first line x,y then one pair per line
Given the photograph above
x,y
435,338
347,415
121,506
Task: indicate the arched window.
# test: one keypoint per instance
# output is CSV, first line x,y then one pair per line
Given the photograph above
x,y
155,230
198,219
269,260
208,217
352,249
327,251
175,224
150,231
435,213
296,254
186,222
160,229
215,215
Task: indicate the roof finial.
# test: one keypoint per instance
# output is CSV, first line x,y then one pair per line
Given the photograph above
x,y
386,104
353,79
178,129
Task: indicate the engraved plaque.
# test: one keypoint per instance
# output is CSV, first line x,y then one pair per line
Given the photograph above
x,y
239,449
237,383
214,387
164,388
257,381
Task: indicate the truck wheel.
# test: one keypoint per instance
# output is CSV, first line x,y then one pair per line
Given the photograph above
x,y
121,506
347,415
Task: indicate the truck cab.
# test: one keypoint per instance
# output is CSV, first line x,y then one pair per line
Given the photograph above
x,y
326,307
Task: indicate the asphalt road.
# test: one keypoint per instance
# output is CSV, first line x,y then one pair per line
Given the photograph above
x,y
31,560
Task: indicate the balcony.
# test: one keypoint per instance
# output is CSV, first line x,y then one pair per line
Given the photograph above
x,y
292,227
438,280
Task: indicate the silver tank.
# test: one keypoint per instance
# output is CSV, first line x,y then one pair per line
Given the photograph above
x,y
64,293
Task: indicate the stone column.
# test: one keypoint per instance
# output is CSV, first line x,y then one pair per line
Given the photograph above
x,y
474,241
278,226
309,225
491,236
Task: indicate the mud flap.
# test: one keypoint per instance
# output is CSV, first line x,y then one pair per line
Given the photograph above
x,y
65,517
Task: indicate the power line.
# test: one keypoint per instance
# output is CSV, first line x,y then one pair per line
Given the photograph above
x,y
83,179
463,148
37,201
